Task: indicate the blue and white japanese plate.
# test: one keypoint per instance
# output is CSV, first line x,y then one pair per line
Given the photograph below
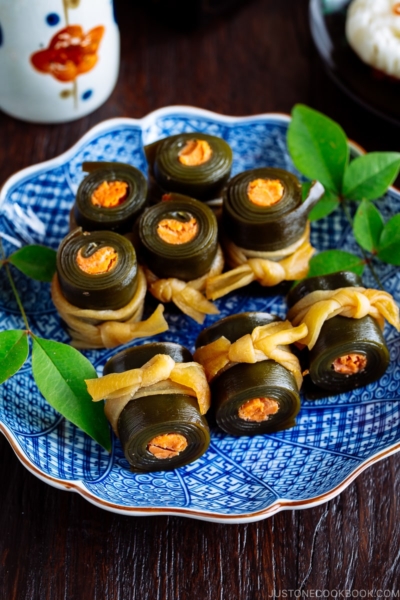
x,y
238,479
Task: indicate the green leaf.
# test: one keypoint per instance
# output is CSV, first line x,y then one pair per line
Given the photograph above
x,y
328,203
318,147
305,190
324,207
14,348
389,244
367,226
332,261
37,262
368,177
59,371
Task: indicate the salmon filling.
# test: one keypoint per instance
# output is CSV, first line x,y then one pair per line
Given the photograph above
x,y
101,261
167,445
350,364
265,192
177,232
110,194
195,153
396,8
258,409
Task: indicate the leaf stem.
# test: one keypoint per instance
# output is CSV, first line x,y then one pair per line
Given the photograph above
x,y
366,259
14,289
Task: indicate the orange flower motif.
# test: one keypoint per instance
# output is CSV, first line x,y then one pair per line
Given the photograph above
x,y
70,53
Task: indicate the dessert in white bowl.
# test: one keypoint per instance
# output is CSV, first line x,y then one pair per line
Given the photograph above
x,y
373,32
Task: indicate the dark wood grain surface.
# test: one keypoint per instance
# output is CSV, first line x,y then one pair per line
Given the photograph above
x,y
54,544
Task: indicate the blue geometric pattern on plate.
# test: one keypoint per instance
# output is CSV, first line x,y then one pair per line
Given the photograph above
x,y
238,479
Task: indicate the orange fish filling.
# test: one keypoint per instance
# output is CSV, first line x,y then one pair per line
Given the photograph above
x,y
349,364
258,409
101,261
177,232
195,153
167,445
265,192
110,194
396,8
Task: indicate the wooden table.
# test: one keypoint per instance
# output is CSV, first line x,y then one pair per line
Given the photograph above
x,y
55,545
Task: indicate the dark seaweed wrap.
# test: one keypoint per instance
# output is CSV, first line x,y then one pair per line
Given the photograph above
x,y
119,218
242,382
184,261
105,291
266,228
341,336
203,182
144,418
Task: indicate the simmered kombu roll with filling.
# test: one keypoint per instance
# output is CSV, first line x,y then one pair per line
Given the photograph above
x,y
255,378
196,164
265,230
179,246
179,238
344,322
156,397
99,290
97,270
263,209
110,197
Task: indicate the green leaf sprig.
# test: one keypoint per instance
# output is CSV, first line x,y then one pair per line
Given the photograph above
x,y
320,150
58,369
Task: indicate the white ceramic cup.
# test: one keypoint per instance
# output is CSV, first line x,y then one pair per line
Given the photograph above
x,y
59,59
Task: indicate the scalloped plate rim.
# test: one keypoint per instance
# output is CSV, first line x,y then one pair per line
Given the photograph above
x,y
78,486
166,110
110,123
279,505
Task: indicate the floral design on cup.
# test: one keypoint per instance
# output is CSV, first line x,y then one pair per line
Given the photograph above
x,y
71,53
